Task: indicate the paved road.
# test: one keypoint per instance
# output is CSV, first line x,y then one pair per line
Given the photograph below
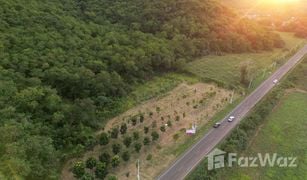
x,y
195,154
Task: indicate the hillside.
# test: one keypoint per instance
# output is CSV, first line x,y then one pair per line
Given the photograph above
x,y
65,65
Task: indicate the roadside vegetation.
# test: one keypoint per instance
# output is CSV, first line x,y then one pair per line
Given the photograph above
x,y
276,125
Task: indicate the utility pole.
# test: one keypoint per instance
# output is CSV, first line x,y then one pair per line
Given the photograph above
x,y
231,99
138,176
250,83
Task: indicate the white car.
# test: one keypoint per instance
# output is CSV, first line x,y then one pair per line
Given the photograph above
x,y
216,125
275,81
231,118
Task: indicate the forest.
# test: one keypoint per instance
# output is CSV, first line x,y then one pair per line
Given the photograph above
x,y
65,65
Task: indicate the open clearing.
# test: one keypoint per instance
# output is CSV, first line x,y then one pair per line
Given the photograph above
x,y
181,107
283,133
226,69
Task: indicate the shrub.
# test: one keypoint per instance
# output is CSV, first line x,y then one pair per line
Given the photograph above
x,y
176,136
141,118
115,161
149,157
146,141
169,123
146,129
177,118
105,158
134,121
155,136
154,124
78,169
112,178
91,163
158,109
104,139
116,148
87,176
126,156
127,141
136,135
101,170
123,128
114,133
162,128
137,147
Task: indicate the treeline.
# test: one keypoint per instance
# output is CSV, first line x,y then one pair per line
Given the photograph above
x,y
64,65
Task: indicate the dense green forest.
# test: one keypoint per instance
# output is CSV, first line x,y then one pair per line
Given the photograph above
x,y
64,66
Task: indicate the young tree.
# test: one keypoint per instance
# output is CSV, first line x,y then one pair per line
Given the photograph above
x,y
103,139
105,158
123,128
136,135
126,156
112,178
78,169
146,141
127,141
101,170
115,161
162,128
116,148
142,118
155,136
137,147
91,163
146,129
134,121
114,133
169,123
87,176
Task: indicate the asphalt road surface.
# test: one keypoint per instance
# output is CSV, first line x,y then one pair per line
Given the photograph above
x,y
191,158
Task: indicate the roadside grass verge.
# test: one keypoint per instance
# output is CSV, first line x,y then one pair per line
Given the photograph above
x,y
284,132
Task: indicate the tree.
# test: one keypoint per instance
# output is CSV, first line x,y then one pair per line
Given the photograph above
x,y
112,178
134,121
137,147
91,163
146,141
146,129
123,128
103,139
136,135
141,118
87,176
115,161
126,156
116,148
162,128
169,123
105,158
78,169
127,141
155,136
114,133
101,170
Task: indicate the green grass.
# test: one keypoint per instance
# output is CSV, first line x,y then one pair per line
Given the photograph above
x,y
299,76
226,69
284,133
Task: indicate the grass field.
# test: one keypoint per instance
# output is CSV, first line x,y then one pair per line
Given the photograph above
x,y
226,69
284,133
